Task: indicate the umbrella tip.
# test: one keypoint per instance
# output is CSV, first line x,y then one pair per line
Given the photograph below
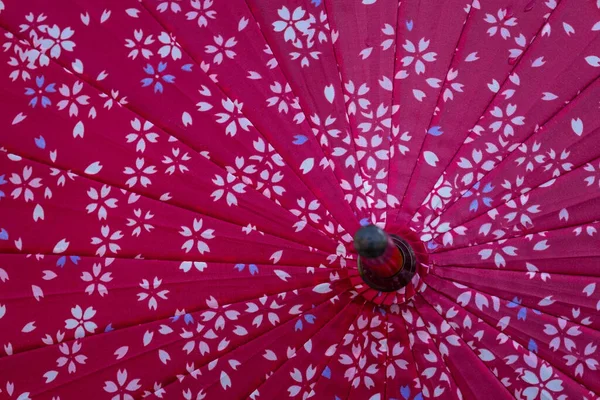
x,y
370,241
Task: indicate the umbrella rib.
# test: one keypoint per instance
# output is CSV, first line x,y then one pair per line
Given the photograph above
x,y
523,271
159,125
460,36
273,371
510,300
503,82
564,374
323,303
225,94
145,322
469,347
550,119
339,71
125,359
524,234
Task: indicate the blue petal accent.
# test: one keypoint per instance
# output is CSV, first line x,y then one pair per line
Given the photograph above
x,y
409,25
75,259
239,267
108,328
33,102
2,180
431,245
253,269
158,87
474,205
488,188
3,234
522,314
487,201
327,373
147,82
149,69
45,101
300,139
310,318
364,222
316,3
168,78
29,91
188,319
61,261
405,392
435,131
175,318
162,66
476,185
514,303
40,142
39,81
187,67
536,311
50,88
532,346
419,396
298,326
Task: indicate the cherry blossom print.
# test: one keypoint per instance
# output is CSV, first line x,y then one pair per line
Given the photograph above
x,y
184,186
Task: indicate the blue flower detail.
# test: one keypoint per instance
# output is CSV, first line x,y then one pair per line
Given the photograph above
x,y
252,268
3,234
156,76
38,93
40,142
327,373
532,346
405,393
300,139
479,195
187,318
409,25
435,131
63,260
2,182
316,3
522,313
108,328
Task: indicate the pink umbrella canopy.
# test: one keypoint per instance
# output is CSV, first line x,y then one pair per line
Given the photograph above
x,y
181,182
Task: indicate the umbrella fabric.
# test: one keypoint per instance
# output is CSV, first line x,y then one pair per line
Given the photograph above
x,y
180,182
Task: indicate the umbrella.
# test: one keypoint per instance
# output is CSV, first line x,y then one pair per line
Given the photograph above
x,y
299,199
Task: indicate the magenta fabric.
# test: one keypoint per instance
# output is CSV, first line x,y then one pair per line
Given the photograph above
x,y
180,181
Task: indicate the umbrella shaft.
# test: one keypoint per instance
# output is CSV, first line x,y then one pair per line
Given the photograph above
x,y
388,264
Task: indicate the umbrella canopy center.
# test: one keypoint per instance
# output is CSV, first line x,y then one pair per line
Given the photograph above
x,y
386,262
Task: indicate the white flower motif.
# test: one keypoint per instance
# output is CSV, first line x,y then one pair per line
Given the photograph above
x,y
107,241
395,361
304,52
97,279
498,251
521,210
22,63
228,187
140,173
452,86
358,191
121,389
543,383
152,292
440,195
197,236
140,222
380,120
595,177
283,98
359,370
507,119
500,23
172,5
169,47
290,22
306,212
262,311
561,335
143,132
220,314
433,228
418,55
100,201
558,164
323,129
303,383
356,96
10,387
373,150
531,156
202,13
70,356
233,116
81,321
176,161
73,98
581,361
138,45
318,28
221,48
25,183
58,40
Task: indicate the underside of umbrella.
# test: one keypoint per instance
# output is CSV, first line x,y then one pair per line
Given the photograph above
x,y
326,199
